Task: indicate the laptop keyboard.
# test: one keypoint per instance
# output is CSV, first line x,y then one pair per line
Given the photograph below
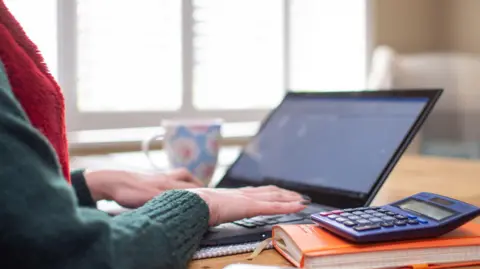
x,y
260,221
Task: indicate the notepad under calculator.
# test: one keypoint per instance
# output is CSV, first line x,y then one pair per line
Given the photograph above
x,y
309,246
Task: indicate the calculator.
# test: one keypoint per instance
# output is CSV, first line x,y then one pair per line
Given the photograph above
x,y
422,215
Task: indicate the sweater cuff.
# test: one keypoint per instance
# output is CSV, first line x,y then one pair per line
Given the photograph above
x,y
185,217
81,189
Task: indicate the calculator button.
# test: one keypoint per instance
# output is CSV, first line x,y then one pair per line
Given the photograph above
x,y
337,212
376,220
412,221
386,224
411,216
349,223
353,217
388,218
346,214
400,217
349,210
391,213
370,211
422,221
366,216
381,210
325,213
358,213
400,222
362,221
367,227
333,216
379,215
374,207
341,220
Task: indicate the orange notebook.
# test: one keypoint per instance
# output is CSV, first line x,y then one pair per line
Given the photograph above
x,y
309,246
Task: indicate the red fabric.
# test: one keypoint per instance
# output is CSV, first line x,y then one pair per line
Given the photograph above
x,y
33,85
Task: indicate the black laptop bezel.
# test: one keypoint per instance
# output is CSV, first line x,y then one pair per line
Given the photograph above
x,y
334,198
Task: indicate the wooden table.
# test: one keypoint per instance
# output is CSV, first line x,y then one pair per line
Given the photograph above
x,y
452,177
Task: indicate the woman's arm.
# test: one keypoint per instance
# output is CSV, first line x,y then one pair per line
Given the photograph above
x,y
42,226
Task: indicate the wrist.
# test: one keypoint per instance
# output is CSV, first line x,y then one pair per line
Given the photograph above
x,y
207,199
97,183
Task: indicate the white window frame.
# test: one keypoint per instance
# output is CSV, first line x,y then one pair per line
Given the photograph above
x,y
67,72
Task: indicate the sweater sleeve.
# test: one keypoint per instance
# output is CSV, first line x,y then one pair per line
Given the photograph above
x,y
43,226
80,187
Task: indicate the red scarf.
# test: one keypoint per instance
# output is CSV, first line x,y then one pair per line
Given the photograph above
x,y
33,85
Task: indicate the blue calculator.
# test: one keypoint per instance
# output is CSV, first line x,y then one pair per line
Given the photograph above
x,y
422,215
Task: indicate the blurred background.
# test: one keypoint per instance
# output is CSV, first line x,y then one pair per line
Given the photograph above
x,y
125,65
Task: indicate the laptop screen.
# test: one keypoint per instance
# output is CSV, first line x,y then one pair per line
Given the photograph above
x,y
328,144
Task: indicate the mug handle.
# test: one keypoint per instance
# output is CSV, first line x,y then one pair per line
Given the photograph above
x,y
146,149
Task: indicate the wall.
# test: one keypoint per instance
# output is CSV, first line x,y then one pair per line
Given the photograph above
x,y
463,19
411,26
408,25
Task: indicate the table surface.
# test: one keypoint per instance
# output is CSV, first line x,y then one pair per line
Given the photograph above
x,y
457,178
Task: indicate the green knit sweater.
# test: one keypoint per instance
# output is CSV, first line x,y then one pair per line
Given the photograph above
x,y
45,223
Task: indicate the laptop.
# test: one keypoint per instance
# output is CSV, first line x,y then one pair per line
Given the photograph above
x,y
336,147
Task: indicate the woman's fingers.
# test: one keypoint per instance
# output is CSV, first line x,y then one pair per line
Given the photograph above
x,y
274,208
273,193
183,174
276,196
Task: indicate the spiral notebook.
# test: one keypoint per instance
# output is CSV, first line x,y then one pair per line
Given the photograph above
x,y
219,251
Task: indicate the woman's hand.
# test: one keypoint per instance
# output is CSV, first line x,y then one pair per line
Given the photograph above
x,y
228,205
131,189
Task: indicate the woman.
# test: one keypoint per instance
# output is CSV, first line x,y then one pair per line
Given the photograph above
x,y
47,214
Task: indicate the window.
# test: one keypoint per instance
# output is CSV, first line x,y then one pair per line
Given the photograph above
x,y
124,63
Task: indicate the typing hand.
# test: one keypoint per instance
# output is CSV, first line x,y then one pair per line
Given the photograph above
x,y
228,205
132,189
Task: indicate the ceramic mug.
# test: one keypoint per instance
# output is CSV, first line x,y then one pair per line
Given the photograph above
x,y
190,144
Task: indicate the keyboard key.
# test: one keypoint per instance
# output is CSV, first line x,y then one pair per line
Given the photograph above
x,y
411,216
387,224
341,220
375,220
358,213
362,221
370,211
400,222
422,221
388,218
367,227
245,224
333,216
349,223
291,218
366,216
412,221
272,221
346,214
400,217
353,217
379,215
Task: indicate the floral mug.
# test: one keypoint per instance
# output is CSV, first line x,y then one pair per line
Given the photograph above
x,y
190,144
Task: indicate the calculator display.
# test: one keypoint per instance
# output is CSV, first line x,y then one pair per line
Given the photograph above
x,y
426,209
